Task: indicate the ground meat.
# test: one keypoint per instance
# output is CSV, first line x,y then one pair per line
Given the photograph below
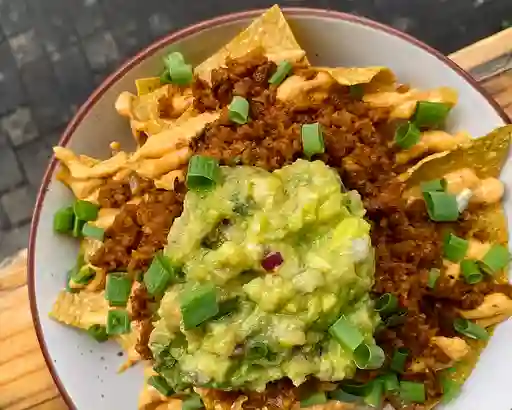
x,y
114,194
142,346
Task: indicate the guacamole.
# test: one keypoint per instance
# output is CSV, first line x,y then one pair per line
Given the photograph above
x,y
287,254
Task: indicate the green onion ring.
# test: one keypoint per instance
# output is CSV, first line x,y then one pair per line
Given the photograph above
x,y
470,329
441,206
369,356
471,271
407,135
386,304
454,248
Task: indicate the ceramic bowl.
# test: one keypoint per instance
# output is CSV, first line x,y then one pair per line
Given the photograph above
x,y
85,371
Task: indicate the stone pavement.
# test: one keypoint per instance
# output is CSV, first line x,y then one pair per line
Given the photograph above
x,y
53,53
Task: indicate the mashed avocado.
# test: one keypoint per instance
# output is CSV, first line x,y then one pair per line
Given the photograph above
x,y
272,323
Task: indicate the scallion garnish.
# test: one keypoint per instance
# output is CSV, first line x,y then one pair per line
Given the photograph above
x,y
343,396
375,393
470,329
85,210
117,289
390,381
386,304
203,172
198,304
178,71
63,220
282,71
159,275
430,114
399,359
82,275
433,276
94,232
118,322
314,399
256,350
441,206
312,139
346,334
471,272
368,356
495,259
412,392
407,135
451,388
77,227
98,333
396,319
355,388
238,110
454,248
160,384
193,402
436,185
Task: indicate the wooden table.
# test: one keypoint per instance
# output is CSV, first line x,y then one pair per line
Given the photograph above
x,y
25,382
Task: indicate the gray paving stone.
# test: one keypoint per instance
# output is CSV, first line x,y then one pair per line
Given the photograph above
x,y
34,158
9,169
14,16
160,24
26,47
19,204
19,126
87,16
13,240
7,62
131,37
4,222
11,91
101,51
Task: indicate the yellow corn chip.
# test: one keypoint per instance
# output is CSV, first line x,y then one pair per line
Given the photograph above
x,y
81,310
147,85
373,78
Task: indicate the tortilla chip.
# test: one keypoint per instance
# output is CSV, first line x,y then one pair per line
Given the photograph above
x,y
373,78
270,32
147,85
81,310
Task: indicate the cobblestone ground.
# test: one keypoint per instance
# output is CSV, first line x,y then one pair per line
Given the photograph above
x,y
54,52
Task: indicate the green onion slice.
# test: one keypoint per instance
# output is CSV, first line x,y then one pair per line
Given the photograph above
x,y
85,210
178,72
399,359
63,220
314,399
396,319
471,271
159,383
390,381
117,289
282,71
165,77
455,248
256,350
451,388
436,185
407,135
368,356
118,322
159,275
238,110
375,393
430,114
193,402
355,388
495,259
98,333
470,329
386,304
346,334
198,304
94,232
203,172
77,228
343,396
312,139
82,274
412,392
441,206
433,276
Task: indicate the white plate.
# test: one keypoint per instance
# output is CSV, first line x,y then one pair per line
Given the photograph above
x,y
85,371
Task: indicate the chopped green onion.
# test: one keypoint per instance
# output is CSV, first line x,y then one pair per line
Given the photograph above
x,y
63,220
179,72
117,289
346,334
77,228
451,388
343,396
463,199
471,272
441,206
160,384
355,388
386,304
159,275
85,211
375,394
356,91
455,248
390,381
314,399
256,350
407,135
396,319
399,359
118,322
203,172
412,392
470,329
368,356
433,276
198,304
226,307
82,275
91,231
312,139
430,114
282,71
165,77
194,402
174,58
495,259
98,333
436,185
238,110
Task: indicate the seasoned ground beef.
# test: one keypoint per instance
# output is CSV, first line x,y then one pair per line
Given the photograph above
x,y
114,194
